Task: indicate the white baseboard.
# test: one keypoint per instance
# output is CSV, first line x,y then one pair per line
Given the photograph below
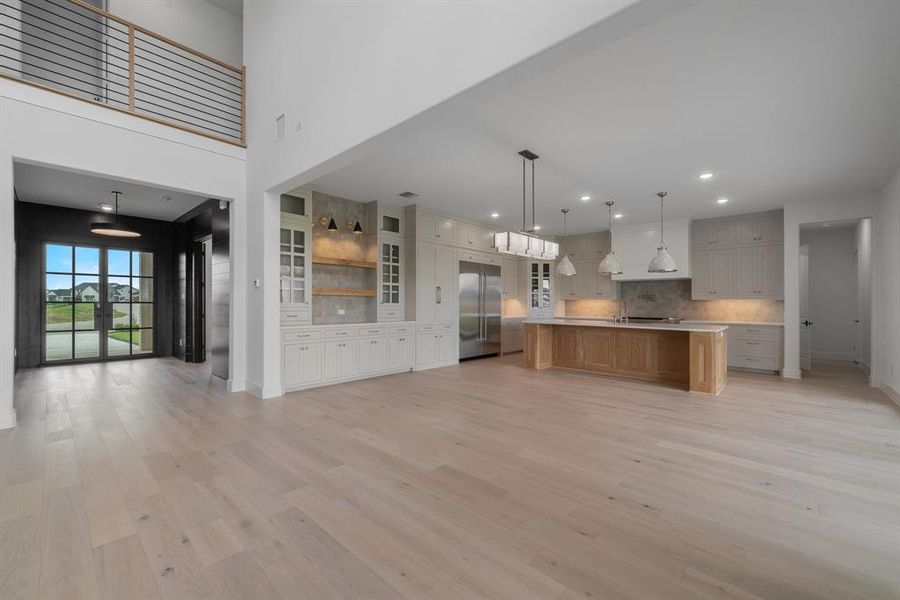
x,y
791,373
232,385
890,392
864,366
846,356
8,419
272,391
425,367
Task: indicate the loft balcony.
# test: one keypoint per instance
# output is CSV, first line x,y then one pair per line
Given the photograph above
x,y
72,48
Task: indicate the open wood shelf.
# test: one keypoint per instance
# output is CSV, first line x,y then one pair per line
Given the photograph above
x,y
360,293
344,262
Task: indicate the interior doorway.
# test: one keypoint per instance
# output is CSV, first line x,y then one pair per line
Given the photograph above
x,y
98,303
835,295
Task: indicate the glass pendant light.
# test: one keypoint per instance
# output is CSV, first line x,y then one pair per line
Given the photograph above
x,y
115,229
610,264
663,261
565,266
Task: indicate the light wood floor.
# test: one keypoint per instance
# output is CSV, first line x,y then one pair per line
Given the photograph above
x,y
486,480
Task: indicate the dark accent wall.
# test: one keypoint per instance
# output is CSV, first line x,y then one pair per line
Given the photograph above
x,y
37,224
200,223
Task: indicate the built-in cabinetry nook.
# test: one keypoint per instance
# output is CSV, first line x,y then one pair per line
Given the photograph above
x,y
738,257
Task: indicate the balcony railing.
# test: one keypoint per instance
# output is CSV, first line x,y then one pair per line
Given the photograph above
x,y
73,48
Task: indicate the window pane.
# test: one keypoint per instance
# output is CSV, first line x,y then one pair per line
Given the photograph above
x,y
87,260
118,343
117,262
87,344
58,346
59,258
142,264
118,289
141,341
58,317
121,316
285,264
142,315
58,288
286,237
142,289
87,288
293,205
85,316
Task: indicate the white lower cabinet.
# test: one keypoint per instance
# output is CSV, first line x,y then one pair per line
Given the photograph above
x,y
437,345
302,363
326,354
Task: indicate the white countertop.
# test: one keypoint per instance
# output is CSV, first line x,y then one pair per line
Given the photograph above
x,y
700,327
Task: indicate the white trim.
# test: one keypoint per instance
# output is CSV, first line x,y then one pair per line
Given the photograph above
x,y
864,366
791,373
8,419
845,356
891,393
233,385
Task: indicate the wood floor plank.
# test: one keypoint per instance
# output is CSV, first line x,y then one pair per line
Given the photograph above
x,y
123,571
67,570
20,561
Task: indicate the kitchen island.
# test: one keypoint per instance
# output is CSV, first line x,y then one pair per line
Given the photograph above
x,y
690,355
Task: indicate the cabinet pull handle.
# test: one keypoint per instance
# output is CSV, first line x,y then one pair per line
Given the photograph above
x,y
437,292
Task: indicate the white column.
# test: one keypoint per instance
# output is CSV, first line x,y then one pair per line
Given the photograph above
x,y
791,294
7,274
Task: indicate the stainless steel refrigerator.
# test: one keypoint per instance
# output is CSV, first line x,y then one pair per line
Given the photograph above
x,y
479,309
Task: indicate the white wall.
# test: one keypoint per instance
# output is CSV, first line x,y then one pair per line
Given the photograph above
x,y
832,292
795,214
344,73
194,23
862,241
44,127
886,291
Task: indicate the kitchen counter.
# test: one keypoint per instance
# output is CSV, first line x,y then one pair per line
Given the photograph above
x,y
683,326
689,355
751,323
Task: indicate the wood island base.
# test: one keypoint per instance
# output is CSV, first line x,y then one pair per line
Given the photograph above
x,y
695,359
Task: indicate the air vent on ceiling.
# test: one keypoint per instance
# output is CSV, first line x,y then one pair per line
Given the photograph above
x,y
408,195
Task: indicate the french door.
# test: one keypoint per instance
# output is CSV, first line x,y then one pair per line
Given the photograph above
x,y
98,303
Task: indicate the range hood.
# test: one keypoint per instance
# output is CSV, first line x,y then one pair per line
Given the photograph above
x,y
636,244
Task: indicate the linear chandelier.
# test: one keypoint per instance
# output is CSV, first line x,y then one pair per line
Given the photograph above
x,y
524,242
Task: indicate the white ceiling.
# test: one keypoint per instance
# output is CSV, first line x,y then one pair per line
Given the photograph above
x,y
783,101
232,7
43,185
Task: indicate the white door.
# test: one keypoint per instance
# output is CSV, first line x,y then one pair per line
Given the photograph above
x,y
426,352
446,284
805,322
401,351
373,355
349,359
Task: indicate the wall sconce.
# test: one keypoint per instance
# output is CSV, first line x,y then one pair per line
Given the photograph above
x,y
355,228
332,226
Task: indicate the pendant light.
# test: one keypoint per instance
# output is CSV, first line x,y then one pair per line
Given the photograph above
x,y
663,261
610,264
524,242
565,266
114,229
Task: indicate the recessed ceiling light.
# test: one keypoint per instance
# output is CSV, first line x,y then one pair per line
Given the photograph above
x,y
705,176
826,224
537,227
106,207
722,200
494,215
618,216
585,198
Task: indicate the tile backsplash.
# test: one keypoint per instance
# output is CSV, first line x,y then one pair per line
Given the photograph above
x,y
341,244
672,298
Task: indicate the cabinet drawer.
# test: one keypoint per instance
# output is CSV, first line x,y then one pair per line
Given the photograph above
x,y
372,331
447,327
343,332
753,331
428,328
485,258
770,363
289,317
751,346
402,329
301,336
390,313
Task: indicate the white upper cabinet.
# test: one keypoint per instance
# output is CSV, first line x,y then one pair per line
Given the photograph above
x,y
297,206
436,283
635,245
738,257
436,228
295,262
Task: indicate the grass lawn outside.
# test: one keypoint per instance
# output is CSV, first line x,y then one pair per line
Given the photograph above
x,y
122,336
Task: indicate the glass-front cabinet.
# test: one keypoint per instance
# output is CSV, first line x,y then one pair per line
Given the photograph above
x,y
390,280
295,261
540,297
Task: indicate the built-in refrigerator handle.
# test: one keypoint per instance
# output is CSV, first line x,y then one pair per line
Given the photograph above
x,y
437,294
482,305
